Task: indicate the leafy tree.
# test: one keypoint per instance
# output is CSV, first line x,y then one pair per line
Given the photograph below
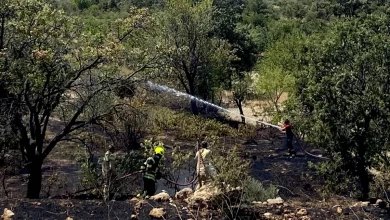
x,y
241,87
343,94
276,71
56,70
256,13
226,18
189,53
83,4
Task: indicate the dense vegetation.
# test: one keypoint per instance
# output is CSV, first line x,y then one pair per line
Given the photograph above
x,y
79,62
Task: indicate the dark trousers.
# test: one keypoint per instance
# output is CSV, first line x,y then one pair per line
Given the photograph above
x,y
149,186
289,143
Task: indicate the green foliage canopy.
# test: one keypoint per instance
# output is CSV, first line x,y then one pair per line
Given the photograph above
x,y
344,91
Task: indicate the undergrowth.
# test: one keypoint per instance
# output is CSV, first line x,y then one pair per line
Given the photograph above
x,y
254,190
188,126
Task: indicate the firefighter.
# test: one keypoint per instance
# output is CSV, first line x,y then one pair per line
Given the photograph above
x,y
151,171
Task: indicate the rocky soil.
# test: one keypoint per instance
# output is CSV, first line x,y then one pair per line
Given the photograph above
x,y
298,191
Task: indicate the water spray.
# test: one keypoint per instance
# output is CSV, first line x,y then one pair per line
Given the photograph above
x,y
178,93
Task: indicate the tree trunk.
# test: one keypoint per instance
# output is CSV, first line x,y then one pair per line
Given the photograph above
x,y
35,179
194,107
363,177
362,163
239,105
241,113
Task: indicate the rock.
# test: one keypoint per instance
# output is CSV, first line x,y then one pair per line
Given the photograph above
x,y
133,217
157,213
204,195
267,215
277,201
339,210
137,203
210,195
66,203
161,197
258,204
289,216
380,203
7,214
301,212
304,218
134,200
265,203
184,193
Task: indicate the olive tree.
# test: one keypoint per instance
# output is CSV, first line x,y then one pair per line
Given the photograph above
x,y
194,59
343,91
55,68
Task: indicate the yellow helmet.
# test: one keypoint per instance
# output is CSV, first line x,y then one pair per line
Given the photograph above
x,y
159,149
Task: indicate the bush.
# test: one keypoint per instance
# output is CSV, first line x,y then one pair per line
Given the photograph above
x,y
255,191
88,173
188,126
336,178
231,168
380,186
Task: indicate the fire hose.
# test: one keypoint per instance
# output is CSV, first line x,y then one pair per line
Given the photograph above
x,y
132,174
195,176
115,180
179,93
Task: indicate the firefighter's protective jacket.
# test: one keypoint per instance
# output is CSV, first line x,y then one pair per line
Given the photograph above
x,y
151,168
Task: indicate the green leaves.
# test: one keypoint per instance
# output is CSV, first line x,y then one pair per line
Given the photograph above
x,y
343,87
189,53
60,67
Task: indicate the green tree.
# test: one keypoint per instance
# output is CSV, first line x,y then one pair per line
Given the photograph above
x,y
276,71
256,13
227,16
241,87
189,53
56,70
343,90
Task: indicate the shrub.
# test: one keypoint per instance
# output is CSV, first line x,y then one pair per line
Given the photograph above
x,y
88,173
188,126
336,178
255,191
231,168
380,186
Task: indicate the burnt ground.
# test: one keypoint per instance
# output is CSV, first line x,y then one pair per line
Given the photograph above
x,y
298,185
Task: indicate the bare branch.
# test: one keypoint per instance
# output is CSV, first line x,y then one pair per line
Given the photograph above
x,y
68,128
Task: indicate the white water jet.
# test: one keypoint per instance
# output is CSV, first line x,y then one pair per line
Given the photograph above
x,y
178,93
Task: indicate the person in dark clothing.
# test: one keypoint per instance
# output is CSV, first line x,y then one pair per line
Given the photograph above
x,y
287,129
151,172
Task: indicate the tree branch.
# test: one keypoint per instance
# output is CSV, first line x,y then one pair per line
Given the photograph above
x,y
68,128
77,75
